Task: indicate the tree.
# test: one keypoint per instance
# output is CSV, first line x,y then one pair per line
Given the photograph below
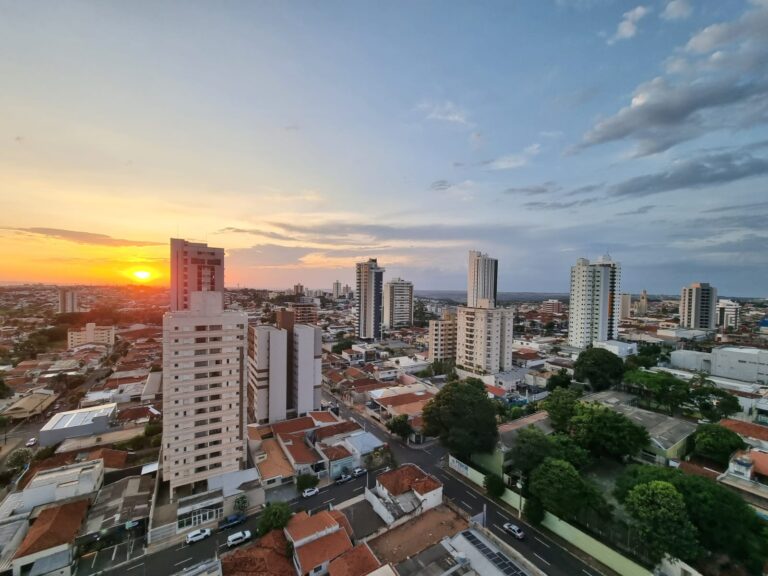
x,y
716,443
561,407
304,481
5,390
600,368
561,490
339,347
561,379
606,433
19,458
666,389
532,447
494,485
241,504
533,510
274,517
399,426
661,518
713,403
463,417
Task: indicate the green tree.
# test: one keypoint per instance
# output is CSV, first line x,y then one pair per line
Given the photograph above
x,y
716,443
665,389
561,490
274,517
19,458
561,379
561,407
241,504
606,433
463,417
713,403
339,347
532,447
5,390
304,481
494,485
399,426
661,518
600,368
533,510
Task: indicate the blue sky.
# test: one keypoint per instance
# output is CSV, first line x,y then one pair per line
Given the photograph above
x,y
303,136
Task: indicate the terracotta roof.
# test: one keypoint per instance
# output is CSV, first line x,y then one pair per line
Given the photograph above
x,y
253,432
417,422
759,460
267,557
334,429
302,525
335,452
136,413
358,561
746,429
336,377
407,398
408,477
298,449
696,470
276,463
323,550
112,458
497,391
343,521
55,526
323,417
410,409
293,425
355,373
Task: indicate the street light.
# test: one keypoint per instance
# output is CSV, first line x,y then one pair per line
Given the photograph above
x,y
519,499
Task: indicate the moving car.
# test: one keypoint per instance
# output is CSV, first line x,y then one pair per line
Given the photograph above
x,y
231,520
310,492
514,530
31,442
357,472
343,479
238,538
197,535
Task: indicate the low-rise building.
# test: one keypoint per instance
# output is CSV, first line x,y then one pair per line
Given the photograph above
x,y
404,491
90,421
621,349
91,334
317,540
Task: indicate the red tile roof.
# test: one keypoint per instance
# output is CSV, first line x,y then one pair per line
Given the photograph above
x,y
55,526
358,561
342,521
302,525
335,452
334,429
323,550
298,449
759,460
746,429
696,470
407,398
408,477
325,417
497,391
112,458
293,425
267,557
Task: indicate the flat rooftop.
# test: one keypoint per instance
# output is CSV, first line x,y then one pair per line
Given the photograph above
x,y
81,417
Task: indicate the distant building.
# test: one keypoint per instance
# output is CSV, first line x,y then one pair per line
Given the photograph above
x,y
728,314
368,320
626,306
298,290
642,304
595,304
398,303
621,349
336,290
203,391
733,362
482,280
68,301
442,337
698,306
484,339
91,334
551,307
195,267
305,312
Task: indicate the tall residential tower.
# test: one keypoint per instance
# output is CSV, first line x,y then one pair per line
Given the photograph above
x,y
195,267
369,299
398,303
595,305
698,306
482,280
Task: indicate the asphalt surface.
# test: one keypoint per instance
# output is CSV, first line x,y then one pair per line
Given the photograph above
x,y
540,550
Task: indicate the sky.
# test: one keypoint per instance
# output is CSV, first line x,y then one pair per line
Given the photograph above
x,y
303,137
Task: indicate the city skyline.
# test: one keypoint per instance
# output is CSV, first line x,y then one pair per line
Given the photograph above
x,y
516,130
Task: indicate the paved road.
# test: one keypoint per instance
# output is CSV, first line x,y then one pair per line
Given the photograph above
x,y
537,547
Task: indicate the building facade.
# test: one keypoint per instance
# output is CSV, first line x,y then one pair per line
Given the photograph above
x,y
336,291
368,321
67,301
698,306
307,377
195,267
204,408
304,312
267,374
91,334
551,307
398,303
642,304
442,337
626,306
482,280
484,339
595,305
728,314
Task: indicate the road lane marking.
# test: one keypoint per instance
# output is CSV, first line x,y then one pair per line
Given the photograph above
x,y
183,561
540,558
469,507
328,501
585,572
140,564
358,488
470,493
499,528
541,541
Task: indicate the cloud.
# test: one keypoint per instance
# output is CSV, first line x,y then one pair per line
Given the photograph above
x,y
552,134
292,128
736,208
534,190
627,28
513,161
445,111
637,211
439,185
255,232
677,10
83,237
587,189
560,205
718,80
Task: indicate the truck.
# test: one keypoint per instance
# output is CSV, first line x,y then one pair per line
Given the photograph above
x,y
231,520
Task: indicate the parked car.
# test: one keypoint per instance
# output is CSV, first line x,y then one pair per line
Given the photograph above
x,y
238,538
357,472
382,470
310,492
197,535
31,442
343,479
231,520
514,530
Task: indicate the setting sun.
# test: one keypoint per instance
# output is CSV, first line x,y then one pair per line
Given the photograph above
x,y
142,275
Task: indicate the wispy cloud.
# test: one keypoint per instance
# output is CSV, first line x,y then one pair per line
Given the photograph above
x,y
534,189
627,28
637,211
445,111
79,237
513,161
560,205
676,10
439,185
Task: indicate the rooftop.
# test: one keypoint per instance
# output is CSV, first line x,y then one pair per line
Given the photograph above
x,y
406,478
323,550
746,429
293,425
276,464
335,429
81,417
302,525
358,561
325,417
297,447
267,557
119,502
55,526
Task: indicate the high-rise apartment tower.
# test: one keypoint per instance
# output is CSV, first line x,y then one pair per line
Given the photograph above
x,y
595,305
195,267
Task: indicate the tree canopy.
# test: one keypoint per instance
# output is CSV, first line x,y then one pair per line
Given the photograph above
x,y
463,417
561,490
399,426
716,443
274,517
561,407
665,389
713,403
560,379
601,368
606,433
532,447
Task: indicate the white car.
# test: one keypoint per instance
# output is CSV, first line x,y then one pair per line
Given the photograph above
x,y
238,538
357,472
514,530
310,492
31,442
197,535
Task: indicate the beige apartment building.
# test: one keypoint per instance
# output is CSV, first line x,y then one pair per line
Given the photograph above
x,y
398,303
442,337
204,413
195,267
484,339
91,334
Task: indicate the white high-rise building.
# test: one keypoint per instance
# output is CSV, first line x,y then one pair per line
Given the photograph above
x,y
626,306
595,305
336,290
442,337
484,339
369,299
398,303
204,411
728,314
68,301
307,367
642,305
267,374
698,306
482,280
195,267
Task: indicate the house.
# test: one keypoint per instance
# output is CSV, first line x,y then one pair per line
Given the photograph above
x,y
358,561
317,540
48,546
268,556
747,475
403,492
753,434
